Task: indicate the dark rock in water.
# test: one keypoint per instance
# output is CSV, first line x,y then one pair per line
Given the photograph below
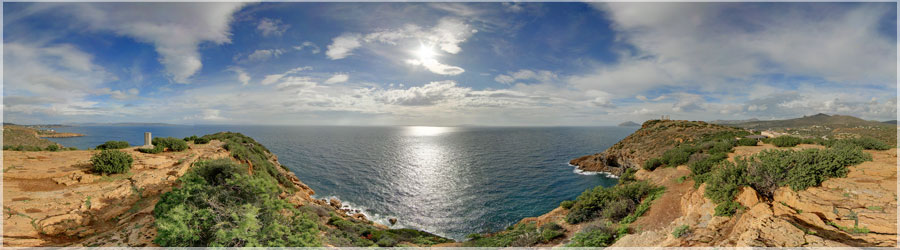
x,y
392,221
629,124
334,202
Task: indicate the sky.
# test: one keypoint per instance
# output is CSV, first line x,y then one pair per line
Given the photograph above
x,y
445,64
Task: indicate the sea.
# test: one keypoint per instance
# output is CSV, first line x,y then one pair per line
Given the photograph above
x,y
450,181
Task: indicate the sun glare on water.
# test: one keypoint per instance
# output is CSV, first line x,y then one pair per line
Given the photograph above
x,y
426,131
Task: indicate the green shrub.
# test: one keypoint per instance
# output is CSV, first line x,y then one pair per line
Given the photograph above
x,y
551,231
678,155
627,175
593,202
705,165
594,236
728,208
171,143
53,147
191,138
746,142
681,231
722,147
218,205
652,164
725,181
201,141
785,141
868,143
113,145
153,150
567,204
111,162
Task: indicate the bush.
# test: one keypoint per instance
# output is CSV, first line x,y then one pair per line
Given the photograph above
x,y
593,202
551,231
681,231
111,162
113,145
153,150
785,141
53,147
567,204
594,236
746,142
868,143
201,141
701,167
725,181
627,175
678,155
652,164
728,208
218,205
191,138
171,143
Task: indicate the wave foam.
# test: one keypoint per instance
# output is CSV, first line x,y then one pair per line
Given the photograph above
x,y
349,209
583,172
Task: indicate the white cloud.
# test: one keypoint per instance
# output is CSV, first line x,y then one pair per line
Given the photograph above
x,y
242,75
296,82
436,67
722,43
338,78
524,74
313,47
53,80
428,94
445,36
343,46
270,79
271,27
264,54
175,29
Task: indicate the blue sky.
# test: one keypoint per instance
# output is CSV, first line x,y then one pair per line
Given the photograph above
x,y
540,64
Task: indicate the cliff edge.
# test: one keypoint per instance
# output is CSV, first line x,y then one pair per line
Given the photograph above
x,y
650,141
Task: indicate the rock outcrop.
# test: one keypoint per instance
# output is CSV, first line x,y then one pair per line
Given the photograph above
x,y
823,216
651,140
51,198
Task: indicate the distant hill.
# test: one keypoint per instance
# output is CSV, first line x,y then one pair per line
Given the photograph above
x,y
629,124
833,121
729,122
890,122
121,124
828,126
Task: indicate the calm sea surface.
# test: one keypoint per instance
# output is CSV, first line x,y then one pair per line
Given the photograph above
x,y
450,181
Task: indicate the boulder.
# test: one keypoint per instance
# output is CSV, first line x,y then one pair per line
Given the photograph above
x,y
334,202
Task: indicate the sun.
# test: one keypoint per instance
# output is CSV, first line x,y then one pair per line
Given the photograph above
x,y
424,53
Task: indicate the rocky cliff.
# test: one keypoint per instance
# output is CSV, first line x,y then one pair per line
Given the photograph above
x,y
651,140
858,210
53,199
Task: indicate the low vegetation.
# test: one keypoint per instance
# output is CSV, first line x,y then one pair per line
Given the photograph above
x,y
711,147
681,231
245,149
113,145
197,140
160,144
521,235
770,169
785,141
219,205
111,161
